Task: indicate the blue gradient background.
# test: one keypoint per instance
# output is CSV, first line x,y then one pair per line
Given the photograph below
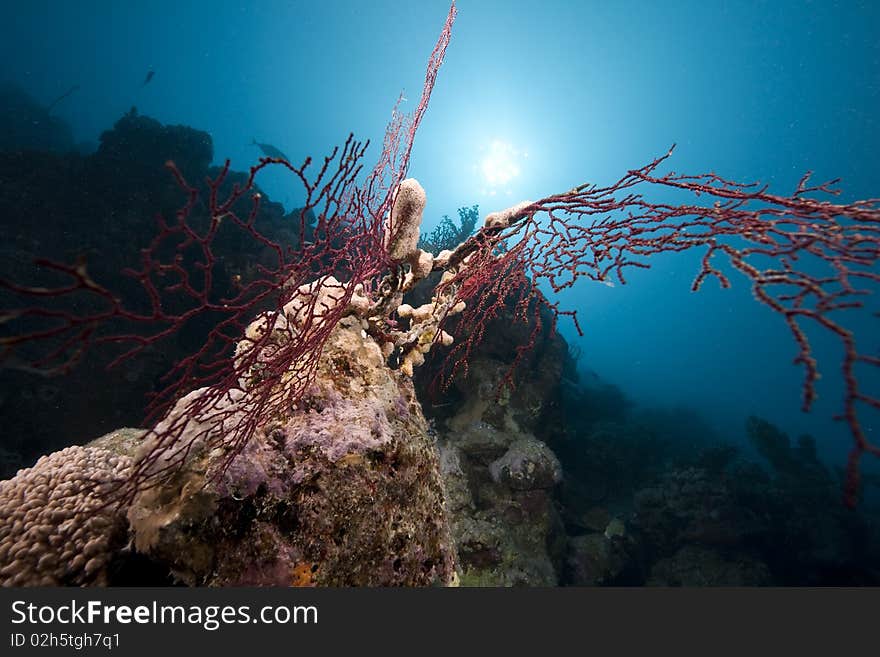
x,y
751,90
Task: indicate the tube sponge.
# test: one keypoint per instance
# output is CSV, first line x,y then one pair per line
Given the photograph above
x,y
402,226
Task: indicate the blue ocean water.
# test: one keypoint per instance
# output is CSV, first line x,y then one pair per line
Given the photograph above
x,y
532,99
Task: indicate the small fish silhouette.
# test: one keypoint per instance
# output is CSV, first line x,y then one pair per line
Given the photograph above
x,y
61,97
269,150
149,77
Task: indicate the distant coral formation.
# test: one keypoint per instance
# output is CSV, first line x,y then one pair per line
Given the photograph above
x,y
102,207
28,125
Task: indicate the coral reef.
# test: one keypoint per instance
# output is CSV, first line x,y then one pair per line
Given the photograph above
x,y
694,565
320,498
348,485
601,559
528,464
691,505
746,528
297,453
690,509
501,478
56,528
504,537
344,490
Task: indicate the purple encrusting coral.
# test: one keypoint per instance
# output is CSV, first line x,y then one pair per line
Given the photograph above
x,y
343,427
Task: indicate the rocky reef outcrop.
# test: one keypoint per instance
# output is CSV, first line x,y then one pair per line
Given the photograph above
x,y
344,491
501,478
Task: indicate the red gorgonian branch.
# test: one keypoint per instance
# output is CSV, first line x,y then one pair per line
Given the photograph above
x,y
777,242
176,271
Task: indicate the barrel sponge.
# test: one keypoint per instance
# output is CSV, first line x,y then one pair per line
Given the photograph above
x,y
57,529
